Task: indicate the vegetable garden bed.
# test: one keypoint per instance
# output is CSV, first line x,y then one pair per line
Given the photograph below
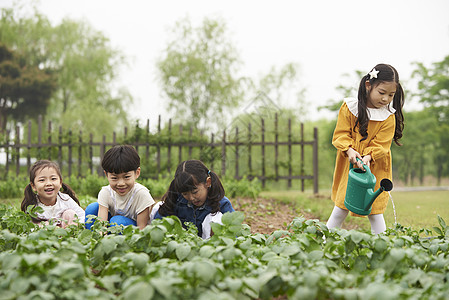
x,y
303,261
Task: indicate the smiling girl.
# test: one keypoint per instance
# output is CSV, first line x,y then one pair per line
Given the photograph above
x,y
195,195
44,190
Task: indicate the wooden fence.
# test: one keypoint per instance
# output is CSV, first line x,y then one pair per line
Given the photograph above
x,y
248,152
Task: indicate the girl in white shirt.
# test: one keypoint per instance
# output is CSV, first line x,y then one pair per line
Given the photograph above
x,y
57,199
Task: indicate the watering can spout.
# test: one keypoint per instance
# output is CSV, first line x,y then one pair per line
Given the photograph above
x,y
385,185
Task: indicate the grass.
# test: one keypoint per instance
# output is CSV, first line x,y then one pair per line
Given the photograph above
x,y
417,209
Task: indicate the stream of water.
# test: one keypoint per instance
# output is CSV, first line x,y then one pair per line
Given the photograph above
x,y
394,208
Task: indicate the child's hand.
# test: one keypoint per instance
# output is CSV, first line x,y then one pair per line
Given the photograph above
x,y
43,223
367,160
352,157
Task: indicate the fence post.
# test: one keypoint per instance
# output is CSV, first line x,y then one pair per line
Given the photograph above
x,y
236,176
136,136
212,147
158,147
39,136
302,157
29,146
169,148
102,151
290,160
91,154
223,154
49,140
201,144
250,167
263,151
276,147
315,160
7,154
70,152
190,138
147,140
60,148
180,145
80,153
17,146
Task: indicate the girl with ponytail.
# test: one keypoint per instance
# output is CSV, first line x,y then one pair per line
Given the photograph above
x,y
365,128
195,195
57,199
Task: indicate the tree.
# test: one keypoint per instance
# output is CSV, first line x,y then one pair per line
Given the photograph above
x,y
85,68
433,87
433,90
282,85
414,159
197,72
25,90
87,78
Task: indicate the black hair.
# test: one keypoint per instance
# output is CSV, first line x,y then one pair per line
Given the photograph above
x,y
120,159
188,175
387,73
30,198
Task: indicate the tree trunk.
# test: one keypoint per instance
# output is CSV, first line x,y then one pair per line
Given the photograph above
x,y
421,171
3,121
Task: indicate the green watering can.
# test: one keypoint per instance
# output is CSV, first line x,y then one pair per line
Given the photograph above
x,y
360,193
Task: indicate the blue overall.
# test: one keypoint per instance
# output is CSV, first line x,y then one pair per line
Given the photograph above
x,y
92,209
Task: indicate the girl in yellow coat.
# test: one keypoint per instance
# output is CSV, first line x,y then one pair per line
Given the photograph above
x,y
365,129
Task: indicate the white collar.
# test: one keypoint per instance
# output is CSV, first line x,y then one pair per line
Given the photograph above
x,y
374,114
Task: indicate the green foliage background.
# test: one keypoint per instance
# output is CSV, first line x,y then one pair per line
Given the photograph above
x,y
83,64
90,185
85,67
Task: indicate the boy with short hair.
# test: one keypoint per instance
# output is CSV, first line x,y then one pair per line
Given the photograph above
x,y
123,201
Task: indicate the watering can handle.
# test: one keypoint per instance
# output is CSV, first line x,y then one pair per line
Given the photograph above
x,y
364,166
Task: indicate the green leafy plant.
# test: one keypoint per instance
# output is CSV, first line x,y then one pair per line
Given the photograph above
x,y
242,187
166,261
444,230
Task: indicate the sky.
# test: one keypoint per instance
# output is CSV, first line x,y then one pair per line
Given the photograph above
x,y
327,38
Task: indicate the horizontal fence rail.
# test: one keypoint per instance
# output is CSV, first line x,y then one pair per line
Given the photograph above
x,y
241,152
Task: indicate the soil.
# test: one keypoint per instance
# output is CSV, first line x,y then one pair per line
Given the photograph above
x,y
267,215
